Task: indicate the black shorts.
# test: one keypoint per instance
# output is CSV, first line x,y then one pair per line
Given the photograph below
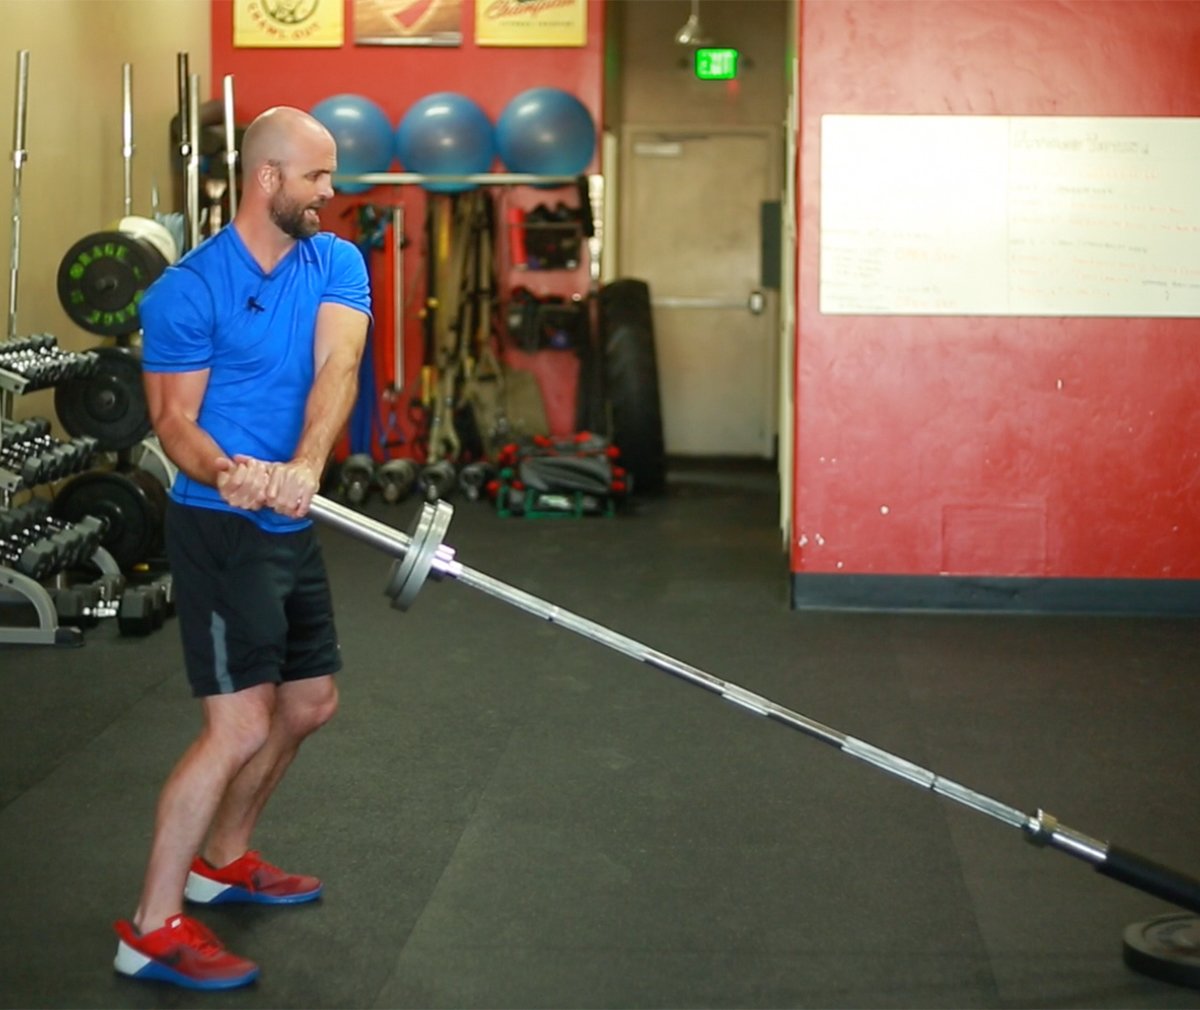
x,y
253,607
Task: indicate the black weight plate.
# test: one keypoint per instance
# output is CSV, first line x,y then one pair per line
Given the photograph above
x,y
102,279
1166,948
131,503
110,404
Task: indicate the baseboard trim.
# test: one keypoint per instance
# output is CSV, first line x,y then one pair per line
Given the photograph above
x,y
928,593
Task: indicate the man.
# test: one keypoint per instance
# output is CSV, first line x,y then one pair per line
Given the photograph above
x,y
251,351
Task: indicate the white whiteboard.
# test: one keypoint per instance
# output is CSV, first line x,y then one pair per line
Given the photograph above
x,y
1010,215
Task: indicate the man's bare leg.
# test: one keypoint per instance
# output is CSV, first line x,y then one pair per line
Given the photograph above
x,y
236,727
301,708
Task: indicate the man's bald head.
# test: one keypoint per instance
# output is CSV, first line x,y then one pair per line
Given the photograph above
x,y
288,161
278,135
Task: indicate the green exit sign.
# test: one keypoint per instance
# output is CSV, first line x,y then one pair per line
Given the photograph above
x,y
716,64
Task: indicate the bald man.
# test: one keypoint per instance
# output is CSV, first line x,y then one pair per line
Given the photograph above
x,y
251,350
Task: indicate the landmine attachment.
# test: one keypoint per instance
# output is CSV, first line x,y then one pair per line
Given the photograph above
x,y
1162,948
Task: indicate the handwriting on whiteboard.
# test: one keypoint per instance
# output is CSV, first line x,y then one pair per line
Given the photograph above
x,y
1010,215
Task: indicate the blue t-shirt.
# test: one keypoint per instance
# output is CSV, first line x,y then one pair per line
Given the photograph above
x,y
217,309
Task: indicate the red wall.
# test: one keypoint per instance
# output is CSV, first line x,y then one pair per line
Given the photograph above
x,y
993,446
395,77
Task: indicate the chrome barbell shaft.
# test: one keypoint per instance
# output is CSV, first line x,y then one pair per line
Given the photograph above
x,y
379,535
391,541
1042,829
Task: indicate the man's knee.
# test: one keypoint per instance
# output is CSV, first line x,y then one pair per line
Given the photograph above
x,y
306,705
241,722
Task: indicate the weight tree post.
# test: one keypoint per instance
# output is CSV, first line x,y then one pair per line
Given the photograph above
x,y
127,134
231,154
18,160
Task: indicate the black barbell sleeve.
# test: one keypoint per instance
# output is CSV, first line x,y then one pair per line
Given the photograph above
x,y
1151,877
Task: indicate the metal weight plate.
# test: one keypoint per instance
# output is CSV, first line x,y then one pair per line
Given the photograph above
x,y
410,572
132,504
102,279
110,404
154,232
1166,948
149,455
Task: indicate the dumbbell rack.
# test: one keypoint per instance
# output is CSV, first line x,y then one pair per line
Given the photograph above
x,y
41,561
25,464
27,364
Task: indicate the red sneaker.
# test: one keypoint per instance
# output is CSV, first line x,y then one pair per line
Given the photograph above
x,y
183,952
248,879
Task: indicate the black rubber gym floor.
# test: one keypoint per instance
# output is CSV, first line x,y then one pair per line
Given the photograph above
x,y
508,815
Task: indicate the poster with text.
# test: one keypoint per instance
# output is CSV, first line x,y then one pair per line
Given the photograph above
x,y
271,24
408,22
531,22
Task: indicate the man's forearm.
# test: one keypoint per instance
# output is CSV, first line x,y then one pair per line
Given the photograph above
x,y
190,448
327,411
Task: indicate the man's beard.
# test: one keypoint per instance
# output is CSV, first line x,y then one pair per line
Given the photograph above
x,y
289,217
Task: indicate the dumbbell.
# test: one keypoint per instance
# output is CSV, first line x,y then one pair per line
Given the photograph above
x,y
396,478
144,608
17,536
32,511
91,530
34,461
78,365
47,367
81,606
35,342
473,479
30,364
42,557
33,442
24,431
84,604
40,461
77,541
358,474
64,458
26,460
38,559
20,529
44,547
437,480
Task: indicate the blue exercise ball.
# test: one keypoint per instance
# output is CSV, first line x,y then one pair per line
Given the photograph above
x,y
446,134
363,134
546,131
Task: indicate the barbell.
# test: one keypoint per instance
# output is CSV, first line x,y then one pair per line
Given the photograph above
x,y
422,554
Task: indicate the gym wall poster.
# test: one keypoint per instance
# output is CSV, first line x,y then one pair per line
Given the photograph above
x,y
282,24
546,23
1010,216
408,22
